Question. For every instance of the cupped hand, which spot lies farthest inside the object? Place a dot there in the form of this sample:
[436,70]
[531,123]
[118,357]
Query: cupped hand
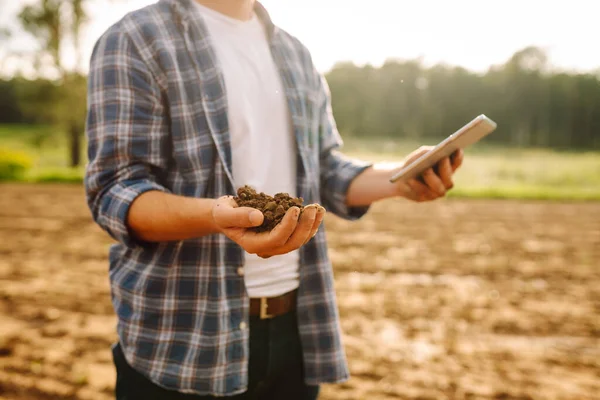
[291,233]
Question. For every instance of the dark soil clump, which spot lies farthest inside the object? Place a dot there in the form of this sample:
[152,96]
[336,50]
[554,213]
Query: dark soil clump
[273,208]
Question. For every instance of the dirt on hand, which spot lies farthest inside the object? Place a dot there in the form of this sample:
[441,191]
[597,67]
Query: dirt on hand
[272,207]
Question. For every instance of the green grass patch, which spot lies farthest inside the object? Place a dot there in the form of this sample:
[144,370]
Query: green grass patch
[13,164]
[507,173]
[47,146]
[524,193]
[488,171]
[47,150]
[57,175]
[29,137]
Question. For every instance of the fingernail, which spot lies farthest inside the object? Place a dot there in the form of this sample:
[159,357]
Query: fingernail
[254,217]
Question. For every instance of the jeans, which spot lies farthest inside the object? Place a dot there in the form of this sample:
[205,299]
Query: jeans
[275,368]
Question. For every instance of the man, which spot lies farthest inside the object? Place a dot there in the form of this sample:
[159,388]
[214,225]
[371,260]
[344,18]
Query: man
[189,100]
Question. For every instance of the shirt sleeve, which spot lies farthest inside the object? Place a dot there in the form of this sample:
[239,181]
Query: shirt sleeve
[126,131]
[336,170]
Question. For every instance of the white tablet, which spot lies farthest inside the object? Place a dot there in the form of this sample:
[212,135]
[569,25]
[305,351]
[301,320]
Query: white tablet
[464,137]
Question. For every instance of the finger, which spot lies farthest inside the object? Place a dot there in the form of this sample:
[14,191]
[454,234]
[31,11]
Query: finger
[282,232]
[457,159]
[302,232]
[295,240]
[445,172]
[421,192]
[268,242]
[434,182]
[318,219]
[416,154]
[227,214]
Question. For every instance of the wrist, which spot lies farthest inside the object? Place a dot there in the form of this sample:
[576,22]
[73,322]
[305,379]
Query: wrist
[389,189]
[211,221]
[203,217]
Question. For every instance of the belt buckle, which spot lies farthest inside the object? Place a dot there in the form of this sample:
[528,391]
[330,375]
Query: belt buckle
[263,309]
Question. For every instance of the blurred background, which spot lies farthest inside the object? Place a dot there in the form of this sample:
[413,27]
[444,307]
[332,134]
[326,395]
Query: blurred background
[490,294]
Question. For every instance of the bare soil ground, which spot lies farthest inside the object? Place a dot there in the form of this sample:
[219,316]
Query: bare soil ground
[449,300]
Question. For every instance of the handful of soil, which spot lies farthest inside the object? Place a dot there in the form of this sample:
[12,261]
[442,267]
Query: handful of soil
[273,208]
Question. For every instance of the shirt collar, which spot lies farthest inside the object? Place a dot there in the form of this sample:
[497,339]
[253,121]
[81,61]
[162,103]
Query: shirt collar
[183,10]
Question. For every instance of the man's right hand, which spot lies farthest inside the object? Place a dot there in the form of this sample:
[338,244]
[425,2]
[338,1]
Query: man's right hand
[290,234]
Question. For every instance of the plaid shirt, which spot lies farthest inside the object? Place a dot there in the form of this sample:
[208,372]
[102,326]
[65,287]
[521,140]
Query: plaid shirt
[157,120]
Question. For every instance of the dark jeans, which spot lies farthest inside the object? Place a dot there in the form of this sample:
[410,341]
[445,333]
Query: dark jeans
[275,369]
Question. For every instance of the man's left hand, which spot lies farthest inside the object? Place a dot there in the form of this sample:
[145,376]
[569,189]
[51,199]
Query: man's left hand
[434,182]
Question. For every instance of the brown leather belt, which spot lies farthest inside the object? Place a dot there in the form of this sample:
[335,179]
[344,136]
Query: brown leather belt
[269,307]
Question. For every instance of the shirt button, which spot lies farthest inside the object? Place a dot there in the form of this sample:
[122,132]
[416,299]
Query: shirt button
[242,325]
[240,271]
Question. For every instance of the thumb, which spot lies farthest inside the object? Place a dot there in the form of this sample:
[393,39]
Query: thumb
[227,214]
[415,155]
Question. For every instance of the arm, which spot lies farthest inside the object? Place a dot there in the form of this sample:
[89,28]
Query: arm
[374,185]
[350,186]
[161,217]
[127,142]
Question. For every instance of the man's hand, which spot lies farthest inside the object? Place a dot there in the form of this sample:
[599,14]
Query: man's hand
[291,233]
[434,182]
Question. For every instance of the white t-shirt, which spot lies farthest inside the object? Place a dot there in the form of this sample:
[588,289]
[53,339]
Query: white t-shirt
[262,140]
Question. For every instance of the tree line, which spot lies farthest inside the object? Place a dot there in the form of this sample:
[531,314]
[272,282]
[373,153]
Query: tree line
[533,105]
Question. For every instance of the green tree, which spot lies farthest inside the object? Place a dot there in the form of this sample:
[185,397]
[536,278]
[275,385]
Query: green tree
[533,105]
[51,23]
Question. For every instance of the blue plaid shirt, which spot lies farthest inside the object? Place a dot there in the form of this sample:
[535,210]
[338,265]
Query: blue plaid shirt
[157,120]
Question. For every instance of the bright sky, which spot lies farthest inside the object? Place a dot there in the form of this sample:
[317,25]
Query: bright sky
[471,33]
